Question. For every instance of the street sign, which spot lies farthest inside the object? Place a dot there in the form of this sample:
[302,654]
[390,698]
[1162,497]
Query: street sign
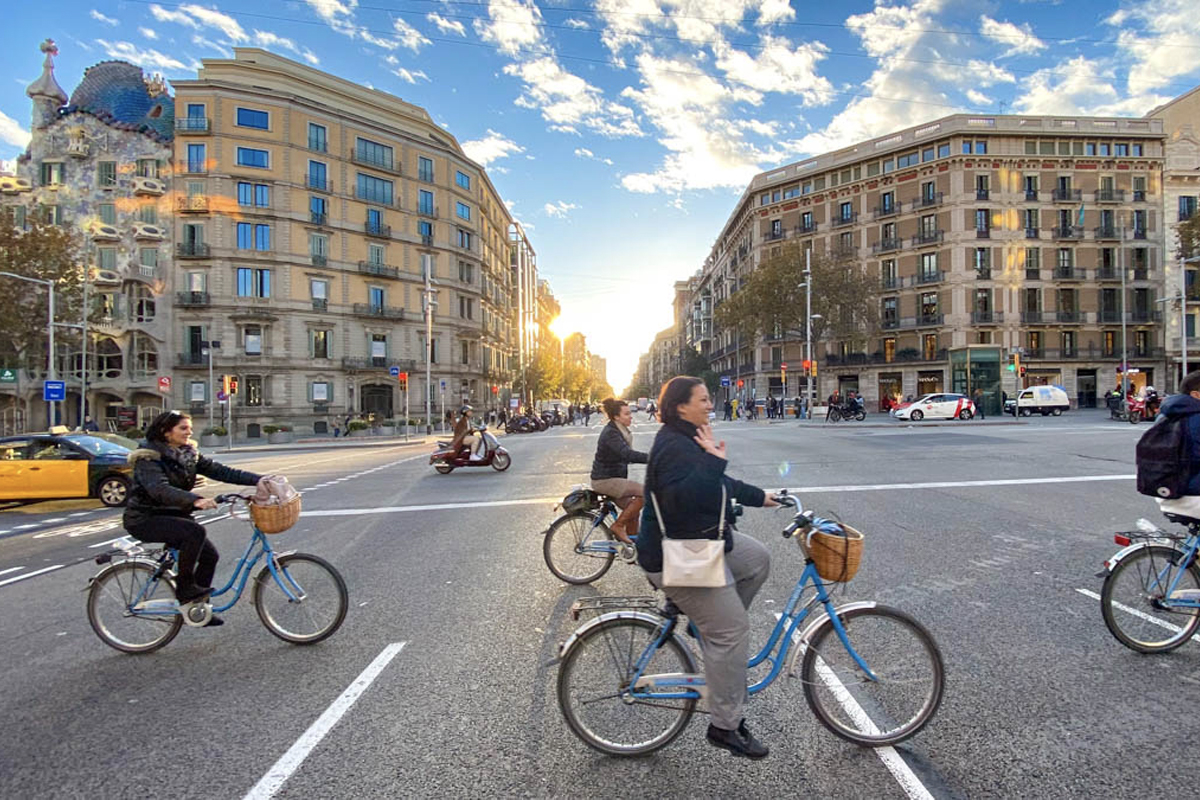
[514,402]
[394,372]
[221,396]
[54,390]
[443,386]
[8,375]
[725,380]
[164,383]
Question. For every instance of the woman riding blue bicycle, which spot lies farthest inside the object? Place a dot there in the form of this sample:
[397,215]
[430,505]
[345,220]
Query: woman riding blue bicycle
[161,502]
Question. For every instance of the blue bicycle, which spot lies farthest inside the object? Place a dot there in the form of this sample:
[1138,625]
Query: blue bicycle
[628,683]
[579,546]
[131,602]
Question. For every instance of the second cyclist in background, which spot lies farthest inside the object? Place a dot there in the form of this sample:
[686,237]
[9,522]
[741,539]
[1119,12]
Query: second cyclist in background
[610,467]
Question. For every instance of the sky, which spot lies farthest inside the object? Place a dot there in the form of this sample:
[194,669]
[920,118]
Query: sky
[622,132]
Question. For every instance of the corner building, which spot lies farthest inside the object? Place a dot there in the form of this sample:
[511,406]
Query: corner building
[309,213]
[1016,233]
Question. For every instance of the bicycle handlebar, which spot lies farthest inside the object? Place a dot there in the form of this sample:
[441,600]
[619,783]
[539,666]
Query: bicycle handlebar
[232,497]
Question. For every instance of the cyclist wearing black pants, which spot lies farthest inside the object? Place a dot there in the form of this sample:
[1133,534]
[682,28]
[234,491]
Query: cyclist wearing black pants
[161,501]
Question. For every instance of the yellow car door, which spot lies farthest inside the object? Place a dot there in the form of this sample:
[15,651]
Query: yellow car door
[56,469]
[14,469]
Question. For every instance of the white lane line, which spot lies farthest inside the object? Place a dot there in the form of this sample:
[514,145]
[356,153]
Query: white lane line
[895,764]
[31,574]
[10,569]
[270,783]
[55,519]
[79,514]
[24,527]
[1139,614]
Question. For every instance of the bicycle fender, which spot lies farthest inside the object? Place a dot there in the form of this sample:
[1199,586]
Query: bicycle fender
[1125,552]
[811,628]
[113,565]
[566,646]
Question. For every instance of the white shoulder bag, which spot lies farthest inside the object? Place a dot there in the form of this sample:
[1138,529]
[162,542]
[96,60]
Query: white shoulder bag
[694,563]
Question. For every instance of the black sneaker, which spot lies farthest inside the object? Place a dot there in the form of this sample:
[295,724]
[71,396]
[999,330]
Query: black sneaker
[739,742]
[215,622]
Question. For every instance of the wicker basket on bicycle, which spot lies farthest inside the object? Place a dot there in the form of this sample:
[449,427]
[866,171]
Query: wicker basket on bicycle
[275,517]
[836,557]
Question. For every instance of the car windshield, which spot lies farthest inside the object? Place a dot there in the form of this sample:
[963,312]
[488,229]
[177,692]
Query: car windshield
[97,446]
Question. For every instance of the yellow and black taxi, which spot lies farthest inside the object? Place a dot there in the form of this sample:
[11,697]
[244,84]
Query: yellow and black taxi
[42,466]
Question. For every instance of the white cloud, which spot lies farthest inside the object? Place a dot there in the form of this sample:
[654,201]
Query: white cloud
[411,77]
[1165,46]
[150,58]
[980,99]
[12,133]
[410,37]
[1020,40]
[268,39]
[370,38]
[1083,87]
[201,41]
[578,24]
[338,14]
[212,18]
[559,210]
[96,15]
[310,57]
[568,102]
[490,148]
[8,166]
[148,33]
[512,25]
[446,25]
[583,152]
[778,68]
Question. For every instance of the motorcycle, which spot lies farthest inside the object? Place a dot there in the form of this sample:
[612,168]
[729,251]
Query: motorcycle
[445,460]
[847,411]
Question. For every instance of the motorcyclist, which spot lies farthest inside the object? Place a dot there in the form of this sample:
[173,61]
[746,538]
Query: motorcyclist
[464,433]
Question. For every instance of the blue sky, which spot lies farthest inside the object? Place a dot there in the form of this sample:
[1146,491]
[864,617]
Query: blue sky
[622,132]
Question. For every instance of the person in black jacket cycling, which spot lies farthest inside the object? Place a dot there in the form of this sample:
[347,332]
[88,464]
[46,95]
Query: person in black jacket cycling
[161,501]
[610,467]
[686,472]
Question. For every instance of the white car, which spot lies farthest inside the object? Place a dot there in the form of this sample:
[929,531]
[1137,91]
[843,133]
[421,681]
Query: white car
[940,405]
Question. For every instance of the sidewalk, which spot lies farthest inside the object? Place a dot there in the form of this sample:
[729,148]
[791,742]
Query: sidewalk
[326,443]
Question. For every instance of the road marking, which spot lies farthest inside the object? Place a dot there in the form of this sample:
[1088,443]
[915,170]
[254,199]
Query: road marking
[10,569]
[54,519]
[1139,614]
[31,574]
[24,527]
[270,783]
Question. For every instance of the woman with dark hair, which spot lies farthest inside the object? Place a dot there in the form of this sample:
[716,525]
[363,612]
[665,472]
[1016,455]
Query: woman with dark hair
[610,467]
[686,475]
[161,501]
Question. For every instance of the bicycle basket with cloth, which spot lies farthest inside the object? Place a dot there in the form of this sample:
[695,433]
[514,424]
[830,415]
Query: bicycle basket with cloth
[835,548]
[580,499]
[275,507]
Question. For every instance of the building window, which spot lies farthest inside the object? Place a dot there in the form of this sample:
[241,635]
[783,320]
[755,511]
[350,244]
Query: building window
[254,194]
[253,282]
[425,169]
[107,212]
[464,211]
[321,391]
[1139,188]
[888,312]
[425,229]
[375,254]
[252,157]
[374,190]
[889,349]
[463,180]
[1066,258]
[148,256]
[106,174]
[377,297]
[318,245]
[253,118]
[254,390]
[52,173]
[374,153]
[466,272]
[929,304]
[53,215]
[18,217]
[983,259]
[147,168]
[846,212]
[463,238]
[318,175]
[983,221]
[106,257]
[318,209]
[425,202]
[1137,150]
[197,158]
[319,344]
[1110,343]
[907,160]
[148,213]
[887,202]
[319,289]
[1033,341]
[944,150]
[1187,207]
[466,352]
[252,340]
[466,307]
[930,346]
[253,237]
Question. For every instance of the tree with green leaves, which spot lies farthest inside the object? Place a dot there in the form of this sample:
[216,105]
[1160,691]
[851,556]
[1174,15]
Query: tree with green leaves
[543,374]
[1189,237]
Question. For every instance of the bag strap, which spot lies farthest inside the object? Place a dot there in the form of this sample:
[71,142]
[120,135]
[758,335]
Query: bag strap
[663,528]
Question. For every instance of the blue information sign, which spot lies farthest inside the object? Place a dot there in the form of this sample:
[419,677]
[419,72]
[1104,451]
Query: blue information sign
[443,386]
[54,390]
[724,380]
[394,372]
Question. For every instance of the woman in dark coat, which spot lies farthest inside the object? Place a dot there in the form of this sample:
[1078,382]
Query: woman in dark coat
[686,474]
[610,467]
[161,502]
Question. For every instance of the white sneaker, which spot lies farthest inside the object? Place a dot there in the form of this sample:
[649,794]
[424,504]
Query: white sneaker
[1192,595]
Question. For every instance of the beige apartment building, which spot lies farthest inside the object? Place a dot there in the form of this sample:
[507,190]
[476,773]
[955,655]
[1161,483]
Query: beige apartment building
[1041,236]
[310,212]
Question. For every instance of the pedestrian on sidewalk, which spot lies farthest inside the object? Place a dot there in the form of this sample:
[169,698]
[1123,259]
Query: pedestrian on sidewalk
[835,399]
[728,411]
[977,398]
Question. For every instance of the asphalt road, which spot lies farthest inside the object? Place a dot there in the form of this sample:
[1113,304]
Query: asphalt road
[970,528]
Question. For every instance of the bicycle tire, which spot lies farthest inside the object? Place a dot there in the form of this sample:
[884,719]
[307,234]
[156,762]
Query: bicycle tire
[592,665]
[559,549]
[318,629]
[1129,628]
[856,710]
[115,588]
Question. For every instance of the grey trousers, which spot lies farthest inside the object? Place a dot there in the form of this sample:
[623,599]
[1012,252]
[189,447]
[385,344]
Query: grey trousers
[721,615]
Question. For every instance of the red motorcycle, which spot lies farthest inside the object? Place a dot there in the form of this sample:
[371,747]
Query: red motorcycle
[445,460]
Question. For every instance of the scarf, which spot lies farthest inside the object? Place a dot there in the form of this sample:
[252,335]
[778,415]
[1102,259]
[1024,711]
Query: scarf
[625,434]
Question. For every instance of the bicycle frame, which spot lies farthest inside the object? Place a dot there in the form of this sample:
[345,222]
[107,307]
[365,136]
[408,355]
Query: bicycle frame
[1189,554]
[775,650]
[606,545]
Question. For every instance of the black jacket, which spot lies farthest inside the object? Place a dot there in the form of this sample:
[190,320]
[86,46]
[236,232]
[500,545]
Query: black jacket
[163,479]
[614,455]
[687,482]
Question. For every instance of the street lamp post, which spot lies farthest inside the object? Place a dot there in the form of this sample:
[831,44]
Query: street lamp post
[50,332]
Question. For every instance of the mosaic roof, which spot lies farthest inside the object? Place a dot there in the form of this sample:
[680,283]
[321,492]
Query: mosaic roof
[116,93]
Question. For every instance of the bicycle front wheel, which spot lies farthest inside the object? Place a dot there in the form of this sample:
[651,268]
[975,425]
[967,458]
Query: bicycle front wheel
[320,600]
[1131,600]
[114,601]
[593,689]
[566,548]
[903,694]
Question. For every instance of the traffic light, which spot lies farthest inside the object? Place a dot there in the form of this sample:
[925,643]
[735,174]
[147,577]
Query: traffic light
[403,378]
[783,373]
[233,381]
[807,366]
[1014,363]
[813,364]
[1022,372]
[741,383]
[225,384]
[495,389]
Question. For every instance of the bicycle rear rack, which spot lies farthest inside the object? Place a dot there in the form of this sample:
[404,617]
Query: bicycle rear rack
[599,605]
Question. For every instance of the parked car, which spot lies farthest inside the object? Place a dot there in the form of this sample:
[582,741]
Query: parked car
[44,466]
[940,405]
[1044,400]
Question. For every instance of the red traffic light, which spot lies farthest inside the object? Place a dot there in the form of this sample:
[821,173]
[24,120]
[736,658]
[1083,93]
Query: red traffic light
[403,376]
[495,389]
[807,364]
[741,383]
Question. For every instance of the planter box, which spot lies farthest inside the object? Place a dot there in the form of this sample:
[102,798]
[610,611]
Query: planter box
[210,440]
[360,434]
[387,430]
[279,437]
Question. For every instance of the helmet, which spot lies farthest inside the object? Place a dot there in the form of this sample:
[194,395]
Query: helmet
[465,408]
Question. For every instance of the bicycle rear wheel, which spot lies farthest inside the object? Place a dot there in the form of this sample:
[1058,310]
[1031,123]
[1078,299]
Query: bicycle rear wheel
[1131,601]
[593,680]
[321,601]
[111,601]
[908,669]
[564,548]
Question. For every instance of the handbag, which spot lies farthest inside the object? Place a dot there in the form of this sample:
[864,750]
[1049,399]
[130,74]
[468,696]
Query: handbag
[693,563]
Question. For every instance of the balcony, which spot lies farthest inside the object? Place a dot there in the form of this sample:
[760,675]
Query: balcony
[317,183]
[1139,196]
[1139,233]
[426,210]
[1033,233]
[983,233]
[319,260]
[1067,195]
[772,236]
[882,212]
[927,201]
[889,323]
[804,229]
[843,251]
[1031,195]
[924,320]
[902,356]
[982,194]
[986,318]
[1106,232]
[320,304]
[1107,315]
[427,239]
[1036,318]
[983,273]
[378,270]
[1145,315]
[191,360]
[191,299]
[843,221]
[1068,232]
[192,124]
[1141,274]
[926,278]
[927,237]
[379,362]
[192,204]
[1065,273]
[317,218]
[378,229]
[1108,273]
[371,310]
[1033,274]
[890,283]
[146,272]
[1070,317]
[191,250]
[385,164]
[886,245]
[1110,195]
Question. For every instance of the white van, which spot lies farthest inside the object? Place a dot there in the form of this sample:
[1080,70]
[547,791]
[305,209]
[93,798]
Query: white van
[1044,400]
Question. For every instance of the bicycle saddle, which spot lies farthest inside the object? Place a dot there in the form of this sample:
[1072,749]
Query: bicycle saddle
[1181,519]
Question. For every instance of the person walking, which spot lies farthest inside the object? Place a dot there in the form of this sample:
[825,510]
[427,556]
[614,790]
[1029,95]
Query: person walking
[835,399]
[728,411]
[686,478]
[977,399]
[587,415]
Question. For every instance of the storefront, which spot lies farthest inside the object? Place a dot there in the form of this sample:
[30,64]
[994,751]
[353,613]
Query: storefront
[974,368]
[847,383]
[930,381]
[891,389]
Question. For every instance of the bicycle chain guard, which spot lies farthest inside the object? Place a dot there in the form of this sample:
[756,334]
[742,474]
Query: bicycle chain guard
[196,614]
